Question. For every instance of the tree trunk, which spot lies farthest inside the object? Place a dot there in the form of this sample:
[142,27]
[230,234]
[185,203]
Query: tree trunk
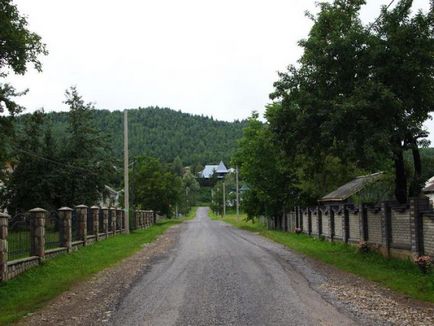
[415,186]
[400,177]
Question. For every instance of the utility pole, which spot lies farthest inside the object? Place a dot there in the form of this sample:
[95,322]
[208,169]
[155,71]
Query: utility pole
[224,198]
[238,196]
[126,181]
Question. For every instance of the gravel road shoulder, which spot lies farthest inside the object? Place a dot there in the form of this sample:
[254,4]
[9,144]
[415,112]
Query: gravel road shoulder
[91,302]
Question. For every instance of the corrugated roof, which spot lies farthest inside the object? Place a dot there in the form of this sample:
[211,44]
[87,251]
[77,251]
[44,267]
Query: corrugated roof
[208,171]
[351,188]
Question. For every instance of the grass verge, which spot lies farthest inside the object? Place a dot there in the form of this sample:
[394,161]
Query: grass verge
[399,275]
[191,214]
[34,288]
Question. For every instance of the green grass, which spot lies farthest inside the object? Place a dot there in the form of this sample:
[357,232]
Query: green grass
[34,288]
[191,214]
[401,276]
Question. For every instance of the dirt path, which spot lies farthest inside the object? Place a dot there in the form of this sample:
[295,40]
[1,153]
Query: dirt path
[92,302]
[208,273]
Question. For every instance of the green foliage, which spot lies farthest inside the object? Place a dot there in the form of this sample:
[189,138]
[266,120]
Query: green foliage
[360,93]
[164,133]
[156,187]
[36,287]
[68,171]
[265,169]
[87,149]
[18,47]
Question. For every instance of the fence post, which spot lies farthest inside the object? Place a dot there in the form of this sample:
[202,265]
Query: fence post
[113,212]
[82,222]
[387,226]
[95,218]
[346,224]
[105,212]
[65,214]
[364,222]
[37,232]
[309,221]
[4,218]
[119,219]
[332,223]
[417,205]
[319,221]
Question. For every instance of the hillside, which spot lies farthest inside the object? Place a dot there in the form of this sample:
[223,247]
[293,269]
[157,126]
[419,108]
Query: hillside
[165,133]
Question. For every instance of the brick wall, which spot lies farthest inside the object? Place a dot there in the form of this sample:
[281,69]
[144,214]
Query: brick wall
[428,234]
[400,223]
[306,221]
[315,223]
[375,227]
[338,225]
[354,226]
[394,230]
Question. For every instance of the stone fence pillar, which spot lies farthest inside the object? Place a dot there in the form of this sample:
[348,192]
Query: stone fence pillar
[4,220]
[105,213]
[65,214]
[82,222]
[95,219]
[37,232]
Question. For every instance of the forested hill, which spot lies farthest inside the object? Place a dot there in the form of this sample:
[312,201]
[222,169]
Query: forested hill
[165,134]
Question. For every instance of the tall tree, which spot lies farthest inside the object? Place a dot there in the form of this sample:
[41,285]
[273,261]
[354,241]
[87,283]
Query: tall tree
[360,93]
[265,169]
[156,187]
[18,48]
[33,181]
[87,154]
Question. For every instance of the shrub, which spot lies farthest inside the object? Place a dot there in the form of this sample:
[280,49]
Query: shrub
[363,247]
[424,263]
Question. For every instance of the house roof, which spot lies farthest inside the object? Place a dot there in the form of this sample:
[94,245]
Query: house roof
[351,188]
[221,168]
[429,188]
[208,171]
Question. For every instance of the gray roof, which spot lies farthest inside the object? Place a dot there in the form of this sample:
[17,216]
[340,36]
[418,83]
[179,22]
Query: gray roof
[208,171]
[351,188]
[221,168]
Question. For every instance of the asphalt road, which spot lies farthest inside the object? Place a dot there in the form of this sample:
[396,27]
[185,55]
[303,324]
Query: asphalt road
[219,275]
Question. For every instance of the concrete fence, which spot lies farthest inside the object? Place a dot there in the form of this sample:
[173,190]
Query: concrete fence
[29,239]
[393,229]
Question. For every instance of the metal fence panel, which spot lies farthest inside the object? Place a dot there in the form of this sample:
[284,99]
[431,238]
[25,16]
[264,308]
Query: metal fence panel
[19,237]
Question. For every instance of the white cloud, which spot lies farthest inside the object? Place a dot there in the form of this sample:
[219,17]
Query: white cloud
[216,58]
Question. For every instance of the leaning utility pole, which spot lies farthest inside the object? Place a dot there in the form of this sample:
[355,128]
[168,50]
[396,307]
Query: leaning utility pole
[238,196]
[126,183]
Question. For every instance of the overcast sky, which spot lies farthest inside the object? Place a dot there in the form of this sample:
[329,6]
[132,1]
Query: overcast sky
[216,58]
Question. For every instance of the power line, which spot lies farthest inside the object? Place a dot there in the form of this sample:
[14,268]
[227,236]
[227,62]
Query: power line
[378,18]
[55,162]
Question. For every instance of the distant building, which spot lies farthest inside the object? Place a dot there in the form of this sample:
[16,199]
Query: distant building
[208,172]
[212,171]
[429,190]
